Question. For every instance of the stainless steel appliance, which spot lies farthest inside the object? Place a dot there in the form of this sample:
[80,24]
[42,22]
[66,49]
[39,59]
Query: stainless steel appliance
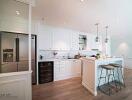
[14,53]
[34,56]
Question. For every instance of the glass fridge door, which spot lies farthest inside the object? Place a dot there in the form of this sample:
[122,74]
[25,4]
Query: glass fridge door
[23,53]
[8,53]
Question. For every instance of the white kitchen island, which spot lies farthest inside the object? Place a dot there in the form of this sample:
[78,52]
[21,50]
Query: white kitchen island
[91,71]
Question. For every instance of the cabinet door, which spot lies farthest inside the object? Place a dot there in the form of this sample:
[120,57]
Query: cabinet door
[68,68]
[62,69]
[72,68]
[44,37]
[77,65]
[74,41]
[56,70]
[61,40]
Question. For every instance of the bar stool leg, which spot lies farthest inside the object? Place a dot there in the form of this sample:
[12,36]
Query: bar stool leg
[118,77]
[100,78]
[105,76]
[109,82]
[115,81]
[122,77]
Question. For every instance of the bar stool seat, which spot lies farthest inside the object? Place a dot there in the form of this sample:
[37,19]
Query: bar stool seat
[115,65]
[108,67]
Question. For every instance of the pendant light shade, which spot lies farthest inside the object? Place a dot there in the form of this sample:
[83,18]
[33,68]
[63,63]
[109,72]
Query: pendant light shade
[106,39]
[97,37]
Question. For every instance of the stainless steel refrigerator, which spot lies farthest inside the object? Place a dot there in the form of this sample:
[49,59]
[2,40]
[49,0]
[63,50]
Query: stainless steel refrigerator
[14,53]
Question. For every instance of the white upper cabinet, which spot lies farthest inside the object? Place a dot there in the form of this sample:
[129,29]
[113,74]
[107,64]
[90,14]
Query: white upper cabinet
[61,40]
[52,38]
[45,37]
[74,43]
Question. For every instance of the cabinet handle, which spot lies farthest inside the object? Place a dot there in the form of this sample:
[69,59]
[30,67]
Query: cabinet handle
[17,49]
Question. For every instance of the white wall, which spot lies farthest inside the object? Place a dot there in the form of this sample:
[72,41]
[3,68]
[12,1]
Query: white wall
[122,46]
[9,20]
[122,33]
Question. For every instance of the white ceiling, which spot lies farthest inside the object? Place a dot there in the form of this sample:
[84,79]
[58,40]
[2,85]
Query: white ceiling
[83,15]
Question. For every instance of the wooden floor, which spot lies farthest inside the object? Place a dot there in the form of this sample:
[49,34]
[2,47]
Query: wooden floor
[72,89]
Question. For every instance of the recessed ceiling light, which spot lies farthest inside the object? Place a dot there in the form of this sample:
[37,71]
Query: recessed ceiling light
[81,0]
[17,12]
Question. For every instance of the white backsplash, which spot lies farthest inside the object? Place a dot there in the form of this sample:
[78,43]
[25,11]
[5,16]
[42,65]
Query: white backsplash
[49,54]
[46,54]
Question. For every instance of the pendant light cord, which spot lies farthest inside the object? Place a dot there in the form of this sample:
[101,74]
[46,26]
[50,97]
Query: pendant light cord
[106,40]
[106,31]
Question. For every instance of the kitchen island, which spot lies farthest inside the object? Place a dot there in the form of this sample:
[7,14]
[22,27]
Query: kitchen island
[91,71]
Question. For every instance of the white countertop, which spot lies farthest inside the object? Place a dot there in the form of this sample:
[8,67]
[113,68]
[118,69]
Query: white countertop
[102,59]
[56,59]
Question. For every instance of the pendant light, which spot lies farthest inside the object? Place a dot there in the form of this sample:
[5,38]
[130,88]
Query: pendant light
[97,37]
[106,39]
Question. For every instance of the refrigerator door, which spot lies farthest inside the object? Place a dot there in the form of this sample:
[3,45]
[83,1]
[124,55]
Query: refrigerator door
[8,53]
[0,53]
[22,53]
[33,54]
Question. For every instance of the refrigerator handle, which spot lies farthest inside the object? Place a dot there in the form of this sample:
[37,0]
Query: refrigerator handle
[17,49]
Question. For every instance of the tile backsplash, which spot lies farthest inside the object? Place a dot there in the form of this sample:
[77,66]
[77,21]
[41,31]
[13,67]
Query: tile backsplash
[51,54]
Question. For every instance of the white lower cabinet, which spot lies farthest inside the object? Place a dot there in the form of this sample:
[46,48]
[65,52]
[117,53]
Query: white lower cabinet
[67,69]
[77,66]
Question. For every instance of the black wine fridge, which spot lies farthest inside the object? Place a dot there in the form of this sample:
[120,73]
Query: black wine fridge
[46,72]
